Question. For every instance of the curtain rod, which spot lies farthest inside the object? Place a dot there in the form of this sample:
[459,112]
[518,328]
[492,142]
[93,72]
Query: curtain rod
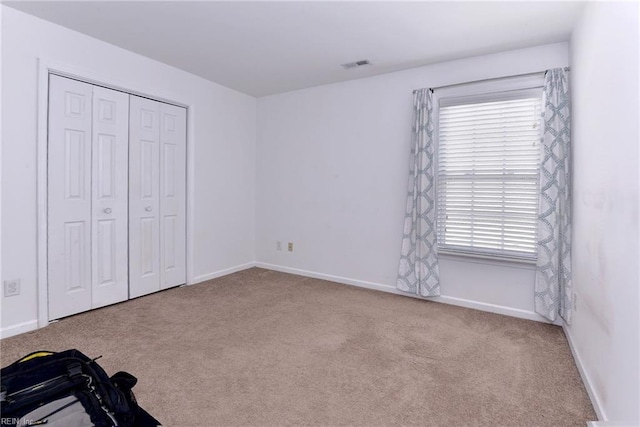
[490,79]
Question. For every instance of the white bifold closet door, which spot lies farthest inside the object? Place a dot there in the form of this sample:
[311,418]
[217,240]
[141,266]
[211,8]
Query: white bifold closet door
[157,196]
[87,196]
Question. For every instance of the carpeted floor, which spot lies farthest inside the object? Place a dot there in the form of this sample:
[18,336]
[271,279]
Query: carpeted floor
[261,348]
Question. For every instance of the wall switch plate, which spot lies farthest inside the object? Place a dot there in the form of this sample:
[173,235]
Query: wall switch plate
[278,245]
[575,301]
[290,247]
[11,287]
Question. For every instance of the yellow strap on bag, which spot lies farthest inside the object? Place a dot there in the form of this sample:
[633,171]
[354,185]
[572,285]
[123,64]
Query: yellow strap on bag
[34,355]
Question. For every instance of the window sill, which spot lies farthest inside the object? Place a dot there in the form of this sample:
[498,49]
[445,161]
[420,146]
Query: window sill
[487,259]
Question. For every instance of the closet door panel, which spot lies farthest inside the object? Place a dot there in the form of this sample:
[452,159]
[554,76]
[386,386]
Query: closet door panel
[144,196]
[69,197]
[110,186]
[173,135]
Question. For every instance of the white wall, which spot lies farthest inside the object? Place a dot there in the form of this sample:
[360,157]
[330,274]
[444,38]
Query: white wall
[1,67]
[605,330]
[224,136]
[332,165]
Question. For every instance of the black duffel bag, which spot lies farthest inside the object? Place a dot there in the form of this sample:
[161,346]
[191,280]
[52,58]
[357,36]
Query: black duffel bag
[67,389]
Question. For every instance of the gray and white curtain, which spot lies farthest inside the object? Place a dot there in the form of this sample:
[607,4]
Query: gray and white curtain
[418,271]
[553,294]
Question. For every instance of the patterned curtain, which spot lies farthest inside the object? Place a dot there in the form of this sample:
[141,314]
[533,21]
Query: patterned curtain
[553,293]
[418,271]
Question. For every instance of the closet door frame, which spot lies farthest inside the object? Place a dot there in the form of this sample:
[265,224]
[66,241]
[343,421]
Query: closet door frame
[46,68]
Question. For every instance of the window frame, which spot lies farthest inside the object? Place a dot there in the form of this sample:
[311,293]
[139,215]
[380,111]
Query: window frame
[473,93]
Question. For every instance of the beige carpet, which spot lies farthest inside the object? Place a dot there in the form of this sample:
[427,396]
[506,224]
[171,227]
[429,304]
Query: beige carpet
[261,348]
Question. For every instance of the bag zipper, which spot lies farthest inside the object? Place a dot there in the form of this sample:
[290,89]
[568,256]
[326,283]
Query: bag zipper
[36,387]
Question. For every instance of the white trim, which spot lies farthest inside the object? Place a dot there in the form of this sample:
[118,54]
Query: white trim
[586,379]
[42,167]
[220,273]
[499,95]
[46,67]
[486,259]
[19,328]
[461,302]
[484,87]
[1,275]
[191,193]
[609,424]
[75,74]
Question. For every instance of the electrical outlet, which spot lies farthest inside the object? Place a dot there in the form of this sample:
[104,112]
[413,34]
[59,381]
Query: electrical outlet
[278,245]
[11,287]
[290,247]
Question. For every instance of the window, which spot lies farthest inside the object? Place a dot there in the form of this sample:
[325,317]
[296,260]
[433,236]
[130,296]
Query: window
[487,178]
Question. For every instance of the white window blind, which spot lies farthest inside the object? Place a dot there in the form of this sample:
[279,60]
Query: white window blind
[487,189]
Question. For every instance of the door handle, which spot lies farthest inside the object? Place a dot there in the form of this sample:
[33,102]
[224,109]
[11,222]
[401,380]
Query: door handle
[148,209]
[107,210]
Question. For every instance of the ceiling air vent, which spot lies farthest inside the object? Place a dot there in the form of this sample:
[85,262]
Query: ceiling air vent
[356,64]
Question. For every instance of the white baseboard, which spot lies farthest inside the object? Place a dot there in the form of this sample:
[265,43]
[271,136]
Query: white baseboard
[220,273]
[19,328]
[610,424]
[491,308]
[477,305]
[586,380]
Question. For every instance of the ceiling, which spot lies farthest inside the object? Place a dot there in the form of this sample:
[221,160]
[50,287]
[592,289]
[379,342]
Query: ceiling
[264,47]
